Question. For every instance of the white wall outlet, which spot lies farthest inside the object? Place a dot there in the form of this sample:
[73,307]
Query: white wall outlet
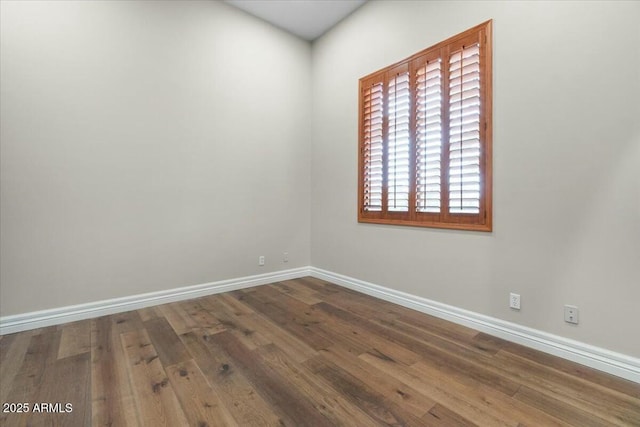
[514,301]
[261,260]
[285,257]
[571,314]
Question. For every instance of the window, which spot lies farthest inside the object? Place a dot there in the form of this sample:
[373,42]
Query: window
[425,137]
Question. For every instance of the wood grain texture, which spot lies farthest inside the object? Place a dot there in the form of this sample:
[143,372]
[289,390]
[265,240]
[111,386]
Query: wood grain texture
[200,402]
[155,397]
[304,352]
[113,402]
[75,339]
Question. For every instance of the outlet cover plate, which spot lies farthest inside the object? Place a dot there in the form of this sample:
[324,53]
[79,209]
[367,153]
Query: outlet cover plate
[571,314]
[514,301]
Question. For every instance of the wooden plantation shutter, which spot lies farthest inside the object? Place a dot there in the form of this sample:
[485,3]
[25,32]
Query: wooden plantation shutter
[373,147]
[398,147]
[464,130]
[429,136]
[425,137]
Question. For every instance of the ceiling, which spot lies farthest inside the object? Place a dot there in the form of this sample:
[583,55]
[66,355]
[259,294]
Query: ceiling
[308,19]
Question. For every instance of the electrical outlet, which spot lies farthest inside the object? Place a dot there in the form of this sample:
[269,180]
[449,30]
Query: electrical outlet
[514,301]
[261,260]
[571,314]
[285,257]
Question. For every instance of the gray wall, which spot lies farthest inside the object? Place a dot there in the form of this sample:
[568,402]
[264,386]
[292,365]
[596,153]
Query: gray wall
[146,146]
[566,165]
[151,145]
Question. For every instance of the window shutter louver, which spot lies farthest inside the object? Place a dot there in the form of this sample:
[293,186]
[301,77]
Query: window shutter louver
[373,147]
[428,136]
[398,151]
[464,130]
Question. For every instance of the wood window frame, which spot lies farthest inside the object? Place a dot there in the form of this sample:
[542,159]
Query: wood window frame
[483,219]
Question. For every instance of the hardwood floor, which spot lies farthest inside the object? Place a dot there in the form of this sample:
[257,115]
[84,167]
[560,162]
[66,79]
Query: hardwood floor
[297,353]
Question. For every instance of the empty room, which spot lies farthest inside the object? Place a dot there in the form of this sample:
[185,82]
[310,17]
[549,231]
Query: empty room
[319,213]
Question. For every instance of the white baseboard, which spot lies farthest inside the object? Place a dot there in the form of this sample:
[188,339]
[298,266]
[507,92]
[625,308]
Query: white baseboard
[56,316]
[598,358]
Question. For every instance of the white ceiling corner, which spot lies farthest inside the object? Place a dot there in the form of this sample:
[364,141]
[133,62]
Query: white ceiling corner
[308,19]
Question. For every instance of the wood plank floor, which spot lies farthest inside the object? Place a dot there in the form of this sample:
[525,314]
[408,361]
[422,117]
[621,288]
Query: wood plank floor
[297,353]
